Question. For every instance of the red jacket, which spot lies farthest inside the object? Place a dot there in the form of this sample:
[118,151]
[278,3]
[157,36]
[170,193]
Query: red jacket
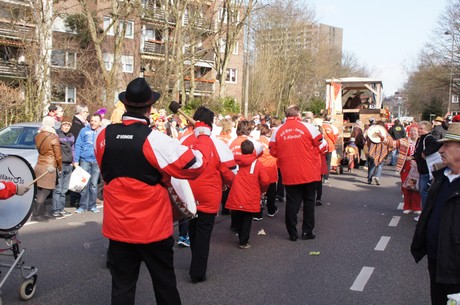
[252,180]
[136,212]
[235,145]
[7,189]
[268,160]
[207,188]
[298,147]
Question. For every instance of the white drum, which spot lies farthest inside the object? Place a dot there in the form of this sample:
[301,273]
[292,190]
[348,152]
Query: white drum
[15,211]
[182,199]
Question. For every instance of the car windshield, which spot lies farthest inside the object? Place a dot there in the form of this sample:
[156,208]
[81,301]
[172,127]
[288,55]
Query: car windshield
[22,137]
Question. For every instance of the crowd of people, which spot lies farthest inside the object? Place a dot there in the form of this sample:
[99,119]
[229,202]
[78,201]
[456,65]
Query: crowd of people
[235,166]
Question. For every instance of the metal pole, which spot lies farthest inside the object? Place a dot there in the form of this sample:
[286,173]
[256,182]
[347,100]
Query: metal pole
[451,69]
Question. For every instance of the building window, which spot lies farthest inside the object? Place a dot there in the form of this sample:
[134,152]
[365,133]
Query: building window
[63,59]
[153,35]
[108,60]
[107,23]
[63,94]
[127,63]
[223,43]
[129,33]
[231,76]
[234,16]
[235,48]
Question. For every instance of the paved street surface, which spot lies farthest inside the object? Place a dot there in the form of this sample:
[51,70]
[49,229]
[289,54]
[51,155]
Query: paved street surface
[363,240]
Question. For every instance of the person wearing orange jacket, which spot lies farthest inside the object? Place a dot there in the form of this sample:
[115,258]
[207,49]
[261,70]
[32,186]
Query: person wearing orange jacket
[207,189]
[244,199]
[269,162]
[298,146]
[331,134]
[136,163]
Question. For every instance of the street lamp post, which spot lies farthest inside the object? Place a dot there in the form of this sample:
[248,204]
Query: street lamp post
[451,69]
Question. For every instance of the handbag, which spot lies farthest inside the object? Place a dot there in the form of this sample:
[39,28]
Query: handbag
[78,179]
[432,160]
[412,179]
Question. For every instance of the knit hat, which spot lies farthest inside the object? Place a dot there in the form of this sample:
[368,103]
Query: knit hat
[48,121]
[66,120]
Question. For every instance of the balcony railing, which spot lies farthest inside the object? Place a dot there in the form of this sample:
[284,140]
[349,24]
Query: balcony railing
[15,31]
[154,13]
[12,70]
[202,54]
[19,2]
[201,87]
[154,47]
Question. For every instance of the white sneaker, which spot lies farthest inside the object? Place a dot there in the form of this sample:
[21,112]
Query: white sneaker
[407,212]
[417,212]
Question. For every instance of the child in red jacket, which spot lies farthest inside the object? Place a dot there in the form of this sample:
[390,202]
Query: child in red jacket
[249,183]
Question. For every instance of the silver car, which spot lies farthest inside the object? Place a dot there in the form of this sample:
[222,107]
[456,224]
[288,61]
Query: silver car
[19,139]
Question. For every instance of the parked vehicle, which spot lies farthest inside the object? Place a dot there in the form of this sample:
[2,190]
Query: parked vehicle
[19,139]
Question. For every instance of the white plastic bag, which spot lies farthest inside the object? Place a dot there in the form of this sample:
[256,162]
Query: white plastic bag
[78,180]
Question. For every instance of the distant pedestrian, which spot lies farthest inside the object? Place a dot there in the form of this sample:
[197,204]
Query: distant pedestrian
[49,154]
[67,142]
[84,156]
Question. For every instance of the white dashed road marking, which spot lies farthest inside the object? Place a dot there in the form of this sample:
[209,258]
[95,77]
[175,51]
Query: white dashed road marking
[401,205]
[362,279]
[394,221]
[382,244]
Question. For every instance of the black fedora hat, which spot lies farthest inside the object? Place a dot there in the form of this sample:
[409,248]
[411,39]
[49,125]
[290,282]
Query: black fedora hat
[138,94]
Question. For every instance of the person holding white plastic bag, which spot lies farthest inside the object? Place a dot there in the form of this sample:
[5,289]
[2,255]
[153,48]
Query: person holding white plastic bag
[84,156]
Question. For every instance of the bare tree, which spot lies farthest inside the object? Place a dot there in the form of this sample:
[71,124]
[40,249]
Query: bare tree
[231,18]
[284,58]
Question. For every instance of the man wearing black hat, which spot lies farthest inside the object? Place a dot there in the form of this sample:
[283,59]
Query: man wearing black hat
[135,163]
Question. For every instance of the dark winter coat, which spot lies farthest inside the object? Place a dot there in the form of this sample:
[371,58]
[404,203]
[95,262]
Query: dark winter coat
[448,258]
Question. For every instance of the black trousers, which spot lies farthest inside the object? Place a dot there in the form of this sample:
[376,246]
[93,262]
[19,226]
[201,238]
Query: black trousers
[328,163]
[319,190]
[280,186]
[244,220]
[271,198]
[124,261]
[200,231]
[439,291]
[295,195]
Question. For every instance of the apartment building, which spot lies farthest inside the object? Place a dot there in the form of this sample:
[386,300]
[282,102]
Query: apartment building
[15,33]
[146,50]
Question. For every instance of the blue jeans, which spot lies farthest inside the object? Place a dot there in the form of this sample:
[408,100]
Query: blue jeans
[424,184]
[394,157]
[62,187]
[89,193]
[373,170]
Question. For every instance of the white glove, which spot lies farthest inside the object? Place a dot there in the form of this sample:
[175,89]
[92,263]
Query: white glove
[21,189]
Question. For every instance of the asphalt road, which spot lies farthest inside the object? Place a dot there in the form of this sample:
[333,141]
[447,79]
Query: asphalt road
[363,241]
